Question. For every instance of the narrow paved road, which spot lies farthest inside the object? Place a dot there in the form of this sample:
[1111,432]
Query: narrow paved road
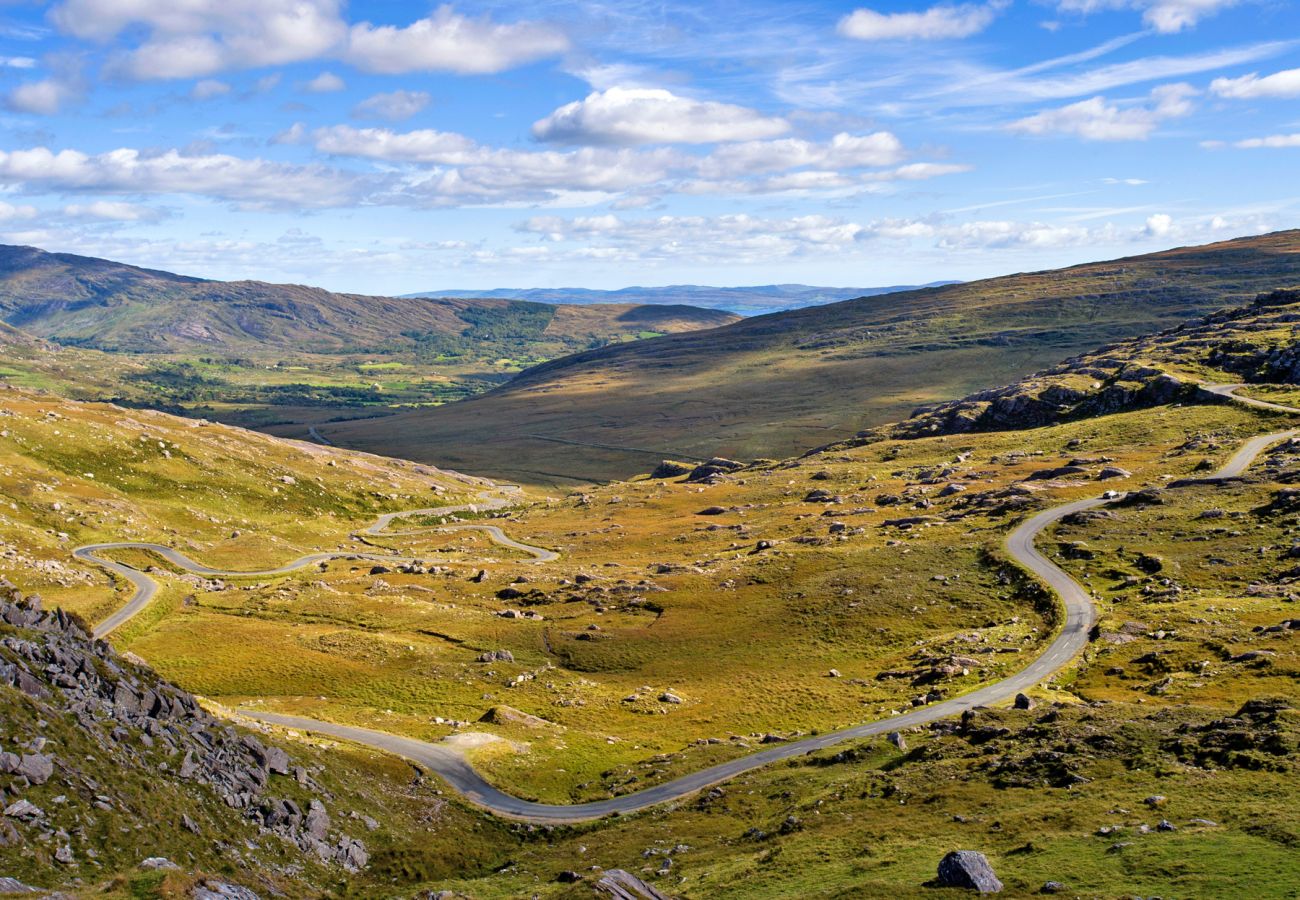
[146,588]
[1080,614]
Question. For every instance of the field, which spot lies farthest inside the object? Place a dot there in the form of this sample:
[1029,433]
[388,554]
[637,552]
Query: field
[746,641]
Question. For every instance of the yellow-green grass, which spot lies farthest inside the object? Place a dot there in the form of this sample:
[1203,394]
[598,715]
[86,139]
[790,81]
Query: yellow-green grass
[745,639]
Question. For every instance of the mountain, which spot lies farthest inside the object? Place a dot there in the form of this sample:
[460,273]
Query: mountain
[112,306]
[778,384]
[763,298]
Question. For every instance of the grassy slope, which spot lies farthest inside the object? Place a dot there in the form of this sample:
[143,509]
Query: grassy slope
[774,385]
[112,306]
[745,639]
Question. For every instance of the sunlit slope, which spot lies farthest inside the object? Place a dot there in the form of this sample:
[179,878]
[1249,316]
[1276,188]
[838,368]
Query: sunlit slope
[779,384]
[112,306]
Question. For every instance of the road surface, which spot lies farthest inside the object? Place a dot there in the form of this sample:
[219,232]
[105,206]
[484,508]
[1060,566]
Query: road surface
[146,588]
[448,763]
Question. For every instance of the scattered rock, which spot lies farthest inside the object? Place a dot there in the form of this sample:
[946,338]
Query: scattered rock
[968,869]
[159,863]
[622,885]
[508,715]
[1024,701]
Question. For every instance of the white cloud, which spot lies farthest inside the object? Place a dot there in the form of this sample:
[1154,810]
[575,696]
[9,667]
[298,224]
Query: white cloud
[630,116]
[421,146]
[9,212]
[1160,225]
[1096,119]
[449,42]
[1165,16]
[935,23]
[113,211]
[209,88]
[17,62]
[223,177]
[1250,87]
[195,38]
[1169,16]
[843,151]
[44,98]
[1275,141]
[324,83]
[393,106]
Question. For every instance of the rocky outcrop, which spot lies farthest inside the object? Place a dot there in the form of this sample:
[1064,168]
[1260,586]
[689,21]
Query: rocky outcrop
[134,715]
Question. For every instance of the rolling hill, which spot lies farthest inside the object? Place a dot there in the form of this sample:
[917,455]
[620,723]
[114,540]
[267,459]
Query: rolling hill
[778,384]
[752,300]
[112,306]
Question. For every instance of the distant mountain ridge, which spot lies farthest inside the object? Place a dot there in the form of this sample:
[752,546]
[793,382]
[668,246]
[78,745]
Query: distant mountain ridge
[106,305]
[752,300]
[777,385]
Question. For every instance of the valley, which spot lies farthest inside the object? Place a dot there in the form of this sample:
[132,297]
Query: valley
[928,629]
[781,384]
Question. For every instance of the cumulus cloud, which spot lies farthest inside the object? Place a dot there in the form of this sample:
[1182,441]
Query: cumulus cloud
[935,23]
[43,98]
[449,42]
[1165,16]
[324,83]
[223,177]
[1096,119]
[422,146]
[197,38]
[1251,87]
[630,116]
[393,106]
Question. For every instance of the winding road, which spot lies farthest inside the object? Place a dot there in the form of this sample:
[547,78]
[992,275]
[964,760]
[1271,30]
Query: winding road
[450,765]
[146,588]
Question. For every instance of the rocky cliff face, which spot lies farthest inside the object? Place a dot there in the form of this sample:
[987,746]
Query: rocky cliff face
[61,691]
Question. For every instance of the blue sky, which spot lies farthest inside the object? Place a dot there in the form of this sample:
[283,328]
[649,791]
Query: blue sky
[393,147]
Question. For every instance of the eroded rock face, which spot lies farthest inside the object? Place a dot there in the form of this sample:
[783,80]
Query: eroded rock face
[126,707]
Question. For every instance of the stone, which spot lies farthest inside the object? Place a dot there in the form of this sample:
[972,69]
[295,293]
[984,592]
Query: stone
[1110,472]
[668,697]
[36,767]
[157,863]
[277,761]
[496,656]
[508,715]
[712,511]
[1051,887]
[23,809]
[14,886]
[211,889]
[968,869]
[896,738]
[1155,801]
[64,856]
[1024,701]
[623,885]
[317,823]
